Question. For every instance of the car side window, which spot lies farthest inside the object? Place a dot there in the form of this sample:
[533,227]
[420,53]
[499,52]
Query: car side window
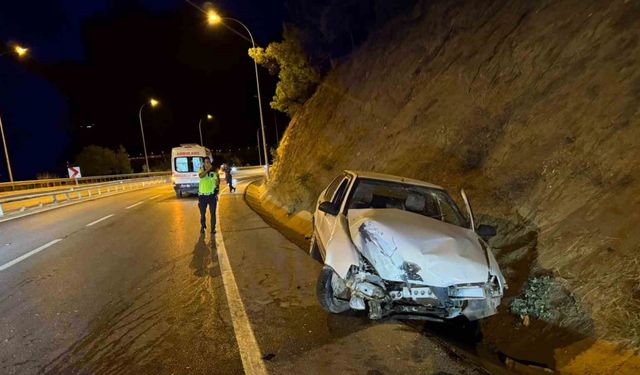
[341,192]
[328,194]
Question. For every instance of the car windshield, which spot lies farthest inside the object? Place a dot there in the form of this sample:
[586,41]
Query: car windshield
[434,203]
[188,164]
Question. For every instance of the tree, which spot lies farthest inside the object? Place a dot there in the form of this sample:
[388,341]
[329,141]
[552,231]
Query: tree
[297,79]
[123,164]
[95,160]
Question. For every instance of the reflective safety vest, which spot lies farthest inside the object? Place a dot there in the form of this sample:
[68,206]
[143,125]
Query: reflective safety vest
[209,183]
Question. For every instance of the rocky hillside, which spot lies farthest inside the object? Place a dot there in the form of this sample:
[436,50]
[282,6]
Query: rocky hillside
[534,108]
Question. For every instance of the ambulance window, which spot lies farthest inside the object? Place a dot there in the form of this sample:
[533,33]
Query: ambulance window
[197,163]
[182,164]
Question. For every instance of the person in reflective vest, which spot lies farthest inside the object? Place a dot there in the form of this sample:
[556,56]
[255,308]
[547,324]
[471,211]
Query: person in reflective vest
[208,194]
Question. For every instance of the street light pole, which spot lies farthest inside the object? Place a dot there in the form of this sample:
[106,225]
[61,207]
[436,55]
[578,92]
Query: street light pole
[215,18]
[6,152]
[209,117]
[152,102]
[20,51]
[259,155]
[144,143]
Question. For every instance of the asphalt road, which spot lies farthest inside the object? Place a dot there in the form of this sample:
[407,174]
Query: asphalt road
[138,292]
[128,285]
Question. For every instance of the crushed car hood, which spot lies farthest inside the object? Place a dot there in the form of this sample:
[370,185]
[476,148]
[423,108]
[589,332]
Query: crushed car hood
[404,246]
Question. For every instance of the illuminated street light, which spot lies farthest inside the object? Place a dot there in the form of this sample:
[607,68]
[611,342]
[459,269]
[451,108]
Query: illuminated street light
[20,51]
[209,118]
[213,18]
[153,103]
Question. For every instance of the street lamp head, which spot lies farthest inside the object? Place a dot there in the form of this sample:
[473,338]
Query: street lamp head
[153,102]
[213,18]
[209,117]
[20,51]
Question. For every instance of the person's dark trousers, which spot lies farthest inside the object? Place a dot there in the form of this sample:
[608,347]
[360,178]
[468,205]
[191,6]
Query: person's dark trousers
[212,202]
[230,183]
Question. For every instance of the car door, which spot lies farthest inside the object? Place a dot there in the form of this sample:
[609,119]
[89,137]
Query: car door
[325,222]
[324,196]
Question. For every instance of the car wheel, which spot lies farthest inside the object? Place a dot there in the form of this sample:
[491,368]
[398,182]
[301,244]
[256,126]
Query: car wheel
[314,250]
[324,292]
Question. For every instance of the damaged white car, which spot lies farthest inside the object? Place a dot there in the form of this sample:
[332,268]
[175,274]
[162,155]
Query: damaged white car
[396,246]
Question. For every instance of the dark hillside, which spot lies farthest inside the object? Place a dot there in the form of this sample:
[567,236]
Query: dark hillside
[534,108]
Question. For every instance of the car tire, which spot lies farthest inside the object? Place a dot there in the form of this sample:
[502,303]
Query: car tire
[324,292]
[314,249]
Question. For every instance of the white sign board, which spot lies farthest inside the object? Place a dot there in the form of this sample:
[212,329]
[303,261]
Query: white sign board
[74,172]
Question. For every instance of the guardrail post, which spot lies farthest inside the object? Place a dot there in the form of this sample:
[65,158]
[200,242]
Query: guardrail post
[89,191]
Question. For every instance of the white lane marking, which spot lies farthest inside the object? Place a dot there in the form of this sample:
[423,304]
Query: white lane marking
[135,204]
[30,253]
[247,344]
[155,196]
[99,220]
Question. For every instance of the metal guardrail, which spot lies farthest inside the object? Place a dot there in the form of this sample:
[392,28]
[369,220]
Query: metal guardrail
[36,184]
[56,196]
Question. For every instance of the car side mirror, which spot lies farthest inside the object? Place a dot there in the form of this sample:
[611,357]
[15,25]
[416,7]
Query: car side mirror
[329,207]
[486,231]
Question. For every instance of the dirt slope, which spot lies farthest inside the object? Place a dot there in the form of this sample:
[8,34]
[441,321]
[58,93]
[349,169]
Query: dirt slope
[534,108]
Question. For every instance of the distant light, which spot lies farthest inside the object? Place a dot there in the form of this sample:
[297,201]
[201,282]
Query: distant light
[213,18]
[20,51]
[209,117]
[153,102]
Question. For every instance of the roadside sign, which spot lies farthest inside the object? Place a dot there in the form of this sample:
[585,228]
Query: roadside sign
[74,172]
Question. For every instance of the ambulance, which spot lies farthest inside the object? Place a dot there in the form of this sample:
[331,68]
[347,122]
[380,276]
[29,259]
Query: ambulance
[186,160]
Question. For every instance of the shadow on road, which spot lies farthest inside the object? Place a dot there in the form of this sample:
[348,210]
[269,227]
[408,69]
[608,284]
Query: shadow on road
[204,261]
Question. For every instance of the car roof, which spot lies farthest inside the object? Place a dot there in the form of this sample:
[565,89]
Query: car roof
[389,177]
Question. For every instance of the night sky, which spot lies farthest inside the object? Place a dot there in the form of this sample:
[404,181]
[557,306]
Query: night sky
[93,63]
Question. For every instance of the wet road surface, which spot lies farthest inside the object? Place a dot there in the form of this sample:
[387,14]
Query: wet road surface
[141,292]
